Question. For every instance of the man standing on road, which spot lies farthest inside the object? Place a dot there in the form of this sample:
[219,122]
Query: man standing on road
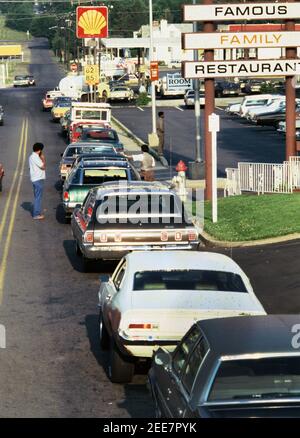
[161,132]
[37,166]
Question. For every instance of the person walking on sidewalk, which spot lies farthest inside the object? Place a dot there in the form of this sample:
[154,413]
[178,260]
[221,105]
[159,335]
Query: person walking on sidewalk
[37,166]
[147,163]
[161,132]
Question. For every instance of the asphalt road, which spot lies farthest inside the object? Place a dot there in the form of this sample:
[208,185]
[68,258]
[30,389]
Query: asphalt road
[237,140]
[53,366]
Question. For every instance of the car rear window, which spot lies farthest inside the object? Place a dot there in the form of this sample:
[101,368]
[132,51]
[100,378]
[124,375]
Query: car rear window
[257,379]
[194,279]
[100,176]
[100,135]
[141,207]
[75,151]
[91,115]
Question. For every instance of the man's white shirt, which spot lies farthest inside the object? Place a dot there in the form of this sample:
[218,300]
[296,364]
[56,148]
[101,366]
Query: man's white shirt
[35,165]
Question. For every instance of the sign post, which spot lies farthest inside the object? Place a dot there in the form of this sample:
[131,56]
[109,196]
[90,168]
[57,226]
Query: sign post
[214,127]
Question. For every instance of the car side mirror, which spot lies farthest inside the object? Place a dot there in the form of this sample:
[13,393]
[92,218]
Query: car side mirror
[163,358]
[104,278]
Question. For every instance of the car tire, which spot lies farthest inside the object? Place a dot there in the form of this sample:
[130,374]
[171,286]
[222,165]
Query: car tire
[120,370]
[103,334]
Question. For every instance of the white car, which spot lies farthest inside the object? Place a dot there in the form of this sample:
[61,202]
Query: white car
[21,81]
[189,99]
[282,127]
[121,93]
[276,104]
[153,298]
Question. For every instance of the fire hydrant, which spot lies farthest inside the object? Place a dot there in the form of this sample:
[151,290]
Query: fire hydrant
[179,181]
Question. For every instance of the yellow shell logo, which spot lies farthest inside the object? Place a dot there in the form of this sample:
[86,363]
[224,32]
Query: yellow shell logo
[92,22]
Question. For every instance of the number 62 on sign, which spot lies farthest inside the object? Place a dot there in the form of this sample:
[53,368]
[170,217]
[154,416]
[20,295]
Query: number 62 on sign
[91,74]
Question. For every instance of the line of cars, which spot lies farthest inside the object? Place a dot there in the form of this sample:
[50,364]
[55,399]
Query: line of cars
[214,350]
[265,110]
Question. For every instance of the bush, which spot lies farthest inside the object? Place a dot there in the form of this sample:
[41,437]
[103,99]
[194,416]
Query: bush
[268,89]
[143,99]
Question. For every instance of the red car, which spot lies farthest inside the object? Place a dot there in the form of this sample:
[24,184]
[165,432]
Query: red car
[75,129]
[1,176]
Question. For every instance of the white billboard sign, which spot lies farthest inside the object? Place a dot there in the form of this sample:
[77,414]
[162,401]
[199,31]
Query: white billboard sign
[176,82]
[231,40]
[253,68]
[242,12]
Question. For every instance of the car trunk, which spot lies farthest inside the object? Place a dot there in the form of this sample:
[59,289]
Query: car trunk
[173,312]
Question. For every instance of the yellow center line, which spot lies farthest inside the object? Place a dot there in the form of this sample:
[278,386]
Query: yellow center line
[13,214]
[12,187]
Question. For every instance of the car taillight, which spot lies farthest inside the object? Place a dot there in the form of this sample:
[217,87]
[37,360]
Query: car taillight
[178,236]
[192,235]
[164,236]
[66,196]
[88,237]
[90,212]
[141,326]
[103,238]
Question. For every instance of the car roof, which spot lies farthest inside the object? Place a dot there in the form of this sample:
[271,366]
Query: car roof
[183,260]
[89,144]
[246,335]
[110,188]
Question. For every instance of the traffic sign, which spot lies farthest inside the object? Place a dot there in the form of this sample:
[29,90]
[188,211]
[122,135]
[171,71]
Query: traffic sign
[230,40]
[92,22]
[246,11]
[154,73]
[91,74]
[252,68]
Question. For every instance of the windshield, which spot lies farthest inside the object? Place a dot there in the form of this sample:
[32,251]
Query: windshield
[257,379]
[201,280]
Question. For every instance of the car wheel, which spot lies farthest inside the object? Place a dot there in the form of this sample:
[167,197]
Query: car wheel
[103,334]
[120,370]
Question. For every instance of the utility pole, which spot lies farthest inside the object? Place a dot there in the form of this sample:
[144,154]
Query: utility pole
[153,140]
[196,167]
[209,109]
[290,91]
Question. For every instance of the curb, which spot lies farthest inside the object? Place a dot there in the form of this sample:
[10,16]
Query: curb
[139,141]
[212,242]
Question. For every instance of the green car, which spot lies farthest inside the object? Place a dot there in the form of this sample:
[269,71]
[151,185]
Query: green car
[92,172]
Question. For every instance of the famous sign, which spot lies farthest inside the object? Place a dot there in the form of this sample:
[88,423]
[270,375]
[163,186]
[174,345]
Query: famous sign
[92,22]
[230,40]
[222,69]
[247,11]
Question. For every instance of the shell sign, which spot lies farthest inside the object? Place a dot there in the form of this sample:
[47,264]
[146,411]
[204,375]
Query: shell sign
[92,22]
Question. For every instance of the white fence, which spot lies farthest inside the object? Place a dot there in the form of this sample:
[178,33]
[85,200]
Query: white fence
[263,177]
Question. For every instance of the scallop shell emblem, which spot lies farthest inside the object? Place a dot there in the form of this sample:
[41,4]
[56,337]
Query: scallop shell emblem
[92,22]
